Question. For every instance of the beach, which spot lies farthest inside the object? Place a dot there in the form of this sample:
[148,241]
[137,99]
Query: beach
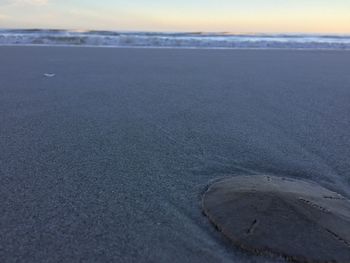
[107,159]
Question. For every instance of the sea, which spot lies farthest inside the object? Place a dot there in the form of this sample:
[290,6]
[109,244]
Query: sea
[53,37]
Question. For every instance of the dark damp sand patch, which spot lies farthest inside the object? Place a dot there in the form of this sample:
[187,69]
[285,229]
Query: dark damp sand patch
[296,219]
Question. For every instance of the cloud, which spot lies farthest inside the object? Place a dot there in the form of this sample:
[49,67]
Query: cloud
[33,2]
[2,16]
[23,2]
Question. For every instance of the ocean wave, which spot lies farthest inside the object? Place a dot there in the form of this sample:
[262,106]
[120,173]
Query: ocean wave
[186,40]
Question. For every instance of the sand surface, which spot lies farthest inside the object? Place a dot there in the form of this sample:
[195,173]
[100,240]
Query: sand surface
[107,160]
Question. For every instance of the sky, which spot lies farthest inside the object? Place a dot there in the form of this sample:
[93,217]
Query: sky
[235,16]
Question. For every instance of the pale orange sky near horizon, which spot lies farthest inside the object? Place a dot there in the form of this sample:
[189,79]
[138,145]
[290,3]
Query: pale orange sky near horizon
[249,16]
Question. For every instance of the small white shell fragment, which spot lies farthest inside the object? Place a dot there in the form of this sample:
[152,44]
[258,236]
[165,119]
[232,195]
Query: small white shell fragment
[49,75]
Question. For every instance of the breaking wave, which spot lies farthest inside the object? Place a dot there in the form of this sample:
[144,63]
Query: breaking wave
[175,40]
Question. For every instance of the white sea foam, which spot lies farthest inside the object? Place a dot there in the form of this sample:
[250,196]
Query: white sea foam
[188,40]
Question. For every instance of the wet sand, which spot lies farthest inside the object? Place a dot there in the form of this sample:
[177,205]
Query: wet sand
[108,159]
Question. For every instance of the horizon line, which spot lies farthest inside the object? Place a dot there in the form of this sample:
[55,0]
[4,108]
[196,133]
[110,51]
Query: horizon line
[77,30]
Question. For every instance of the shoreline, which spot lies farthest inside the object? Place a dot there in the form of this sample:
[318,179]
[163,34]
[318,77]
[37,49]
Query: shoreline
[175,48]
